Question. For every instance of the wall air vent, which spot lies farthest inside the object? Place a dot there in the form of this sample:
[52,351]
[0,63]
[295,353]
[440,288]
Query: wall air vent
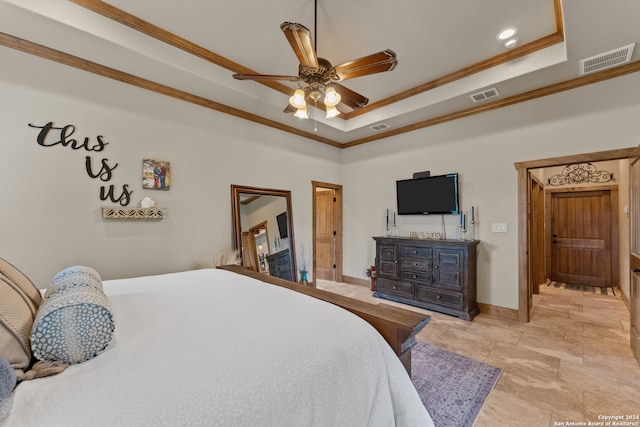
[606,60]
[484,95]
[379,127]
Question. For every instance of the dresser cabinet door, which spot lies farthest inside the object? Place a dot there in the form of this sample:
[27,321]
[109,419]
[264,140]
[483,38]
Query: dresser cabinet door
[388,260]
[450,269]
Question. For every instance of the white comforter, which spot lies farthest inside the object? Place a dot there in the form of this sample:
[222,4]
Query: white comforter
[213,348]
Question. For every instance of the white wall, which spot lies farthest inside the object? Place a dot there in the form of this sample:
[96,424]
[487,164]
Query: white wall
[483,149]
[50,208]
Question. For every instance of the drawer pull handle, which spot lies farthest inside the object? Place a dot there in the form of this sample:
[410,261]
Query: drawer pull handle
[415,252]
[438,297]
[415,276]
[395,287]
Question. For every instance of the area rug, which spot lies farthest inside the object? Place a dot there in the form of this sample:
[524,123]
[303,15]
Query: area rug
[582,288]
[452,387]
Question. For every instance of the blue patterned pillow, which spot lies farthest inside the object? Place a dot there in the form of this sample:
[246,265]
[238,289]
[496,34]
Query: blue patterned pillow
[74,322]
[76,276]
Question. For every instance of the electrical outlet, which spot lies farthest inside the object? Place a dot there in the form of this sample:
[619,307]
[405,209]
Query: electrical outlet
[499,227]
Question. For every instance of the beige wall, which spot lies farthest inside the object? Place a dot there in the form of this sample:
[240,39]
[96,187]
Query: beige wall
[50,214]
[483,150]
[50,208]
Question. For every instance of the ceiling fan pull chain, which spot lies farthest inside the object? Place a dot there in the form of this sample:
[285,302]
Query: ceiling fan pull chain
[315,115]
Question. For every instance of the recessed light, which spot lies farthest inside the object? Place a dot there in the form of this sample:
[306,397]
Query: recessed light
[511,43]
[507,33]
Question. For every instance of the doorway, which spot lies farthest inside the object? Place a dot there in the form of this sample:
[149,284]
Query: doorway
[327,231]
[525,237]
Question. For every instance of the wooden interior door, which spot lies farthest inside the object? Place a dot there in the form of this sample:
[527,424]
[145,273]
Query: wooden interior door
[581,250]
[537,270]
[634,252]
[325,246]
[327,231]
[249,253]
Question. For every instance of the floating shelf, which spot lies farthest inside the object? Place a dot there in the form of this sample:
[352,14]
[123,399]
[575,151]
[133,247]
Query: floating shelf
[134,213]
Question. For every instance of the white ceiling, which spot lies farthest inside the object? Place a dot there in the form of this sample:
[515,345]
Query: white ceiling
[432,39]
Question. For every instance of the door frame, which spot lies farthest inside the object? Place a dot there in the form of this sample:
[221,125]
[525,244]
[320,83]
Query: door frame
[524,238]
[315,185]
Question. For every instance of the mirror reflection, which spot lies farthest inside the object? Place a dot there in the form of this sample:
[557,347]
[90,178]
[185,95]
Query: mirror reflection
[263,230]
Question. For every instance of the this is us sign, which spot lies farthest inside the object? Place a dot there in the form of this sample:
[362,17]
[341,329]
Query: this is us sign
[52,136]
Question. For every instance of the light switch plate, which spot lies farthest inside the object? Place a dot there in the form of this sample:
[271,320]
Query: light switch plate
[499,227]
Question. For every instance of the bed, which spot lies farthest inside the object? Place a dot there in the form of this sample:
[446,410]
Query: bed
[213,347]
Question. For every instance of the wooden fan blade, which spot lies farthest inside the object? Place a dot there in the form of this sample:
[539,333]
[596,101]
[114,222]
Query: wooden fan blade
[350,98]
[375,63]
[299,38]
[265,77]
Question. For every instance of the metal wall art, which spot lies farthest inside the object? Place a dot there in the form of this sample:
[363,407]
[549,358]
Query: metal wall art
[580,173]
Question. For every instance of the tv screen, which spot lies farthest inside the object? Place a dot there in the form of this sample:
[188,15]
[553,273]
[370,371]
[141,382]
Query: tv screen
[282,225]
[430,195]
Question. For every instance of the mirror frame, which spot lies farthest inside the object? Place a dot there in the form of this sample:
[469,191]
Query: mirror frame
[236,190]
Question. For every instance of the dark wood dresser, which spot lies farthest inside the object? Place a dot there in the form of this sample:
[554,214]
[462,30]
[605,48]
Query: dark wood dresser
[280,265]
[438,275]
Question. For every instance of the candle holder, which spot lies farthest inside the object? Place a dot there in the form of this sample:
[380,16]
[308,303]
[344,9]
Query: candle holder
[473,229]
[387,231]
[461,232]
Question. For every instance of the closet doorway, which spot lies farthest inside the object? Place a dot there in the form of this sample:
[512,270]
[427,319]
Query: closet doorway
[327,231]
[528,241]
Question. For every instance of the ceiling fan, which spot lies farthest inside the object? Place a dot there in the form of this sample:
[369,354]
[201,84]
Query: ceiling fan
[318,79]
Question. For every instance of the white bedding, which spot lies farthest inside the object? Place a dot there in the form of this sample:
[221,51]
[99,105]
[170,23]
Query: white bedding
[214,348]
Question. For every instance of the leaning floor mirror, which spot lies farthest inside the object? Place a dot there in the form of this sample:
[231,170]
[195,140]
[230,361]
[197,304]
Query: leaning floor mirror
[263,230]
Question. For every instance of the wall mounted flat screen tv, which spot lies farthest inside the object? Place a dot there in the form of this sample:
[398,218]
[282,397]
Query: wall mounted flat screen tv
[282,225]
[430,195]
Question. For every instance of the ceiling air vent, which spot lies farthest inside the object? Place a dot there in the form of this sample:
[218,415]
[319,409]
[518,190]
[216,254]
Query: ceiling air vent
[484,95]
[606,60]
[379,127]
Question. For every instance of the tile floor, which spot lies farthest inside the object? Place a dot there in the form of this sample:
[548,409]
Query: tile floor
[571,363]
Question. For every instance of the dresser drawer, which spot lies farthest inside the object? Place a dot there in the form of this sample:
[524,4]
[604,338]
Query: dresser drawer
[417,277]
[396,288]
[416,264]
[416,252]
[436,296]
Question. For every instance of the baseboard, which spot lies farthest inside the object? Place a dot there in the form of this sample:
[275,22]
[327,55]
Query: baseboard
[502,312]
[356,281]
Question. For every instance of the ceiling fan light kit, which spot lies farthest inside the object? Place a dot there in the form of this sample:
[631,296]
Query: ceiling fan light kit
[318,79]
[297,100]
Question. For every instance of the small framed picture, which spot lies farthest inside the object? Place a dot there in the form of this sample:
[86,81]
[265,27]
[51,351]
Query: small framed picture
[156,174]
